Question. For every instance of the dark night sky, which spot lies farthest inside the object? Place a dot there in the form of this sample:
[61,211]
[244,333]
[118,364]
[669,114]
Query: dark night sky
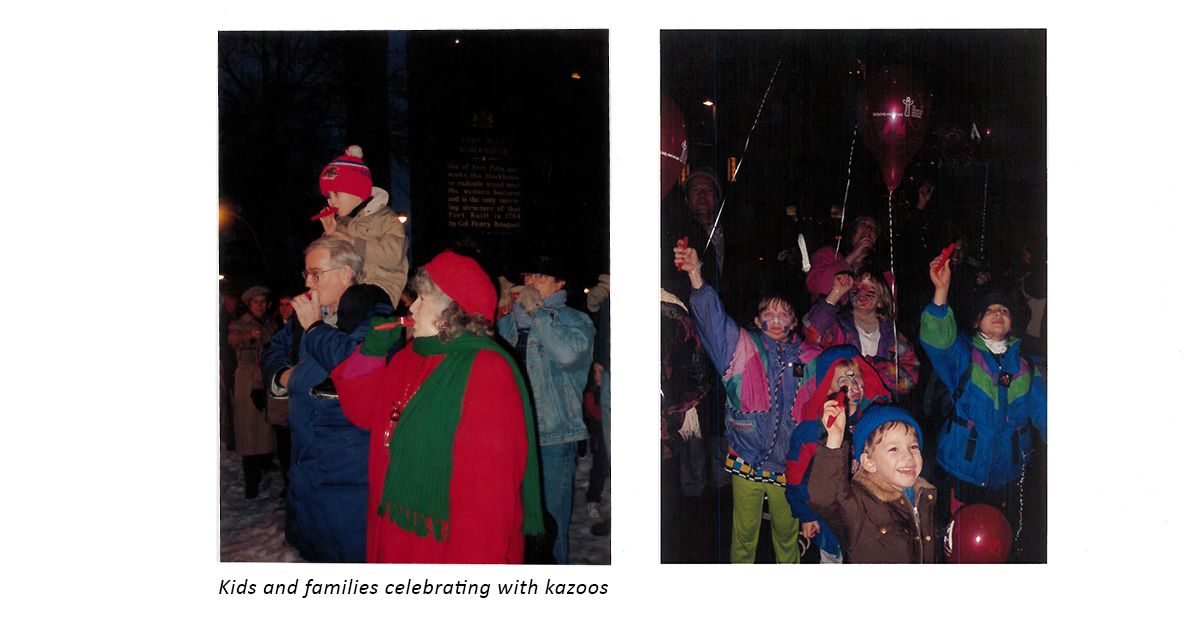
[799,152]
[291,101]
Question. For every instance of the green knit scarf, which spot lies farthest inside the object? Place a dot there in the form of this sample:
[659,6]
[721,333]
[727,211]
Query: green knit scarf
[416,489]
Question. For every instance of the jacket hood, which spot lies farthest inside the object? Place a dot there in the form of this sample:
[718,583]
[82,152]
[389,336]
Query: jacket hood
[873,387]
[379,200]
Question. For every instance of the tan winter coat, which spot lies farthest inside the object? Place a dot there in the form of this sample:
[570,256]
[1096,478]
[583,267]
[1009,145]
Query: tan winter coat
[380,239]
[873,520]
[251,432]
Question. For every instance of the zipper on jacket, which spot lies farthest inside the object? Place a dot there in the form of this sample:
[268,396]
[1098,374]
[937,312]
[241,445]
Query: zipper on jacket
[917,526]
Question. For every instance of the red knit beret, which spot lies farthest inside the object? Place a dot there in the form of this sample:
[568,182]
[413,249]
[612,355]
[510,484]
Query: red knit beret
[347,174]
[461,278]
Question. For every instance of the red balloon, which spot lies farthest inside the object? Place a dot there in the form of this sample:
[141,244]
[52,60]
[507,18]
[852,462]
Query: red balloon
[893,114]
[981,535]
[672,143]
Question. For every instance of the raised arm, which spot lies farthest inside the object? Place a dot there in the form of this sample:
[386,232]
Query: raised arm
[819,325]
[949,357]
[829,482]
[718,331]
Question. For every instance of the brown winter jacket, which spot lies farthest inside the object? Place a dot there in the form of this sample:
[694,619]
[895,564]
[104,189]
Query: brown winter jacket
[873,521]
[379,237]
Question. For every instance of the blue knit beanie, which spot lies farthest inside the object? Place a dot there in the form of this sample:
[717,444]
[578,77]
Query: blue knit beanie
[877,415]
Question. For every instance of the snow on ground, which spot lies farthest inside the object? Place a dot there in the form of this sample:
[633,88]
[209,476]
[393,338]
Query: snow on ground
[252,530]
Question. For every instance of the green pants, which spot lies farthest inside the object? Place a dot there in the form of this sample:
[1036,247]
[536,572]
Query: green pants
[747,518]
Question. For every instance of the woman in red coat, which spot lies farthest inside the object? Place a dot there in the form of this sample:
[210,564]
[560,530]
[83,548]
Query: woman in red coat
[453,472]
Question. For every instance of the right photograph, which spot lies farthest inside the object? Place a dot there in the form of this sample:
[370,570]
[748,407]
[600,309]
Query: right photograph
[854,296]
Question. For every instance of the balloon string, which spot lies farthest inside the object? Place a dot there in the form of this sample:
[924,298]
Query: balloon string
[1021,502]
[837,249]
[745,149]
[895,299]
[983,225]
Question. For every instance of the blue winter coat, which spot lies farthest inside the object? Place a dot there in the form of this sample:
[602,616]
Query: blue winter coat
[988,441]
[558,362]
[327,482]
[758,425]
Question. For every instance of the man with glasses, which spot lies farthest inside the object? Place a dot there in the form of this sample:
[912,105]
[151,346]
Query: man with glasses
[761,370]
[327,482]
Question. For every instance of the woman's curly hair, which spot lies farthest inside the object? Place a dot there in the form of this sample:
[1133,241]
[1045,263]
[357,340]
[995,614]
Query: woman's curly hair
[453,321]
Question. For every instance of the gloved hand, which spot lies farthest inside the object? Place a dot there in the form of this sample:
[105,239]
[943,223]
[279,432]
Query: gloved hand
[378,341]
[597,294]
[691,425]
[530,299]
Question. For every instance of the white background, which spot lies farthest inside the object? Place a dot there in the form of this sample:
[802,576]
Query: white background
[109,172]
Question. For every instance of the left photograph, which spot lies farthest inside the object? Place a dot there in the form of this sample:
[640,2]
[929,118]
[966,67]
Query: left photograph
[414,296]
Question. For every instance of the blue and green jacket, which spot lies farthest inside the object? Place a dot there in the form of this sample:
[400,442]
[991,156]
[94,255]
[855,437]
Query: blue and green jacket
[988,441]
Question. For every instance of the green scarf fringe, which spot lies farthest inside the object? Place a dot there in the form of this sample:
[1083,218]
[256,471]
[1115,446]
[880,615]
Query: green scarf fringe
[416,488]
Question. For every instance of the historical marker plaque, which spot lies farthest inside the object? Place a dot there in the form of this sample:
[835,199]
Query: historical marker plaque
[483,185]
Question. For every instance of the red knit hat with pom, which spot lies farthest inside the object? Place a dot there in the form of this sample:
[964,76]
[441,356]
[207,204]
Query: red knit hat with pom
[463,280]
[347,174]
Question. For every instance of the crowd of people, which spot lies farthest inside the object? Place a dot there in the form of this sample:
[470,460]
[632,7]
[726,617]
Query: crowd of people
[416,416]
[823,414]
[422,415]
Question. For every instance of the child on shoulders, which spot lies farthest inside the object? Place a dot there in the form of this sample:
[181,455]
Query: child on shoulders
[362,217]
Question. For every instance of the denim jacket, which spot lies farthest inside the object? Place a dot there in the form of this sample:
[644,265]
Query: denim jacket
[558,361]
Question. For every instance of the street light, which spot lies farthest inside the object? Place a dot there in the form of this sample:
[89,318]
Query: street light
[224,212]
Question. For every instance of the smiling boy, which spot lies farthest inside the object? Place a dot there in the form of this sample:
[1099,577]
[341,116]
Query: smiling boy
[885,512]
[841,374]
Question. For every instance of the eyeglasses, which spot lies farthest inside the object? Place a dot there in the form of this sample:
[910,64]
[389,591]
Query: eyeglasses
[535,276]
[305,274]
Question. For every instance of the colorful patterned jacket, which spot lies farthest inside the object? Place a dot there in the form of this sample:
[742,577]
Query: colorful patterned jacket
[988,442]
[807,411]
[828,325]
[761,377]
